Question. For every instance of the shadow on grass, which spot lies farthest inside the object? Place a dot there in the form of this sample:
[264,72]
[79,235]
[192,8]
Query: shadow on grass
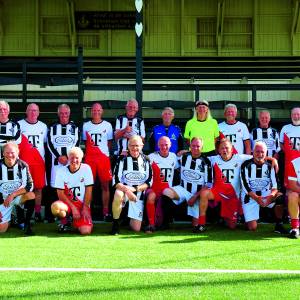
[214,233]
[196,280]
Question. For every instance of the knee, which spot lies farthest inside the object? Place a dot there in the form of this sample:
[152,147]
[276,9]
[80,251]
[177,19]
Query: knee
[3,227]
[168,192]
[57,210]
[252,225]
[85,230]
[151,198]
[135,225]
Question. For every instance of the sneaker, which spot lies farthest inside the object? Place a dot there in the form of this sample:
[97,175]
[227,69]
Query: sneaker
[149,229]
[28,231]
[37,217]
[115,230]
[63,228]
[199,229]
[294,234]
[280,229]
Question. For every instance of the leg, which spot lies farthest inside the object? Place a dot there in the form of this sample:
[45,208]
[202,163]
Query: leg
[135,225]
[105,198]
[29,201]
[116,210]
[293,206]
[85,229]
[38,202]
[167,204]
[252,225]
[3,227]
[59,209]
[150,207]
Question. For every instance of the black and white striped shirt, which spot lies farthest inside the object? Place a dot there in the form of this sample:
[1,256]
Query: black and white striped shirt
[9,131]
[260,179]
[133,172]
[13,178]
[195,172]
[61,138]
[138,128]
[268,135]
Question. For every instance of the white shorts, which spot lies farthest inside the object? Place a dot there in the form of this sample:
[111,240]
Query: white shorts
[251,210]
[6,211]
[135,209]
[54,170]
[184,195]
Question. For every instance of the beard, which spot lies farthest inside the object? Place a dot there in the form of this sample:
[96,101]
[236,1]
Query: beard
[296,122]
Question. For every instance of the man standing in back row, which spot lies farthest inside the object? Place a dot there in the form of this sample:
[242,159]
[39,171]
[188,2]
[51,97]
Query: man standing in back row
[32,151]
[128,125]
[98,134]
[62,136]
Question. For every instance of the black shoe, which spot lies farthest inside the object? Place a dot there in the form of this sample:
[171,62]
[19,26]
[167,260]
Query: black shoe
[63,228]
[107,218]
[115,230]
[294,234]
[199,229]
[280,229]
[149,229]
[37,217]
[28,231]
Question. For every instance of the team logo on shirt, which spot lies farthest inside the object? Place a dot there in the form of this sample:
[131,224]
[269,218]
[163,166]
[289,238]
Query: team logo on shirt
[258,184]
[63,140]
[191,175]
[9,187]
[135,178]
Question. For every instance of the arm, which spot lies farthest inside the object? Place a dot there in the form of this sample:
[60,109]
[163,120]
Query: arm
[13,195]
[247,146]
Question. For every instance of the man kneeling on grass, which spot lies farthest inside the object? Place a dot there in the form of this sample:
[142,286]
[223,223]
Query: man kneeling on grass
[74,184]
[15,187]
[132,176]
[259,187]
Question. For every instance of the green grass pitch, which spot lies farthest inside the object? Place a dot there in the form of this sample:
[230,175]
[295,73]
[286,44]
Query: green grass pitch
[176,248]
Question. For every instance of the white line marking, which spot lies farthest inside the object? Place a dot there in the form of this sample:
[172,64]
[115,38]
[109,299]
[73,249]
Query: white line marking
[104,270]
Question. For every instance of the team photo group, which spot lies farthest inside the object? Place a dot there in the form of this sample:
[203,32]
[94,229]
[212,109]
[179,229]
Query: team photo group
[210,166]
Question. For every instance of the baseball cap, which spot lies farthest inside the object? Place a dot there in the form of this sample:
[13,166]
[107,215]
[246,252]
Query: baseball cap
[201,102]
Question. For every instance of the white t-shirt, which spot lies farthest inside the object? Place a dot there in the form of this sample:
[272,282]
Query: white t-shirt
[76,182]
[167,165]
[36,134]
[100,134]
[231,169]
[237,133]
[293,133]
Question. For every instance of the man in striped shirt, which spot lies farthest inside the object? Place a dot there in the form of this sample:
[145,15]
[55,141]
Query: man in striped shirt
[259,186]
[15,187]
[128,125]
[9,130]
[195,173]
[266,134]
[132,176]
[62,136]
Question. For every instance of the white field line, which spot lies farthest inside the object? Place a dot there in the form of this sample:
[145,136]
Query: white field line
[104,270]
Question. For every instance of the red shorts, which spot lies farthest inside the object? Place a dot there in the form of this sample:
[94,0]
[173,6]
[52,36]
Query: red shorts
[100,168]
[80,222]
[38,172]
[229,206]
